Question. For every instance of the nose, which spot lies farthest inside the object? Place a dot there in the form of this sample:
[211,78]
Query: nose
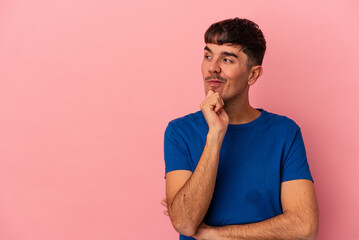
[214,67]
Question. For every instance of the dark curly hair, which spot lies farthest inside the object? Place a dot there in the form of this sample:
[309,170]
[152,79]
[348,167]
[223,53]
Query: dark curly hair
[239,31]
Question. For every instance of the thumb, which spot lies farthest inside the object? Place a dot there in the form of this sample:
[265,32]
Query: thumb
[210,93]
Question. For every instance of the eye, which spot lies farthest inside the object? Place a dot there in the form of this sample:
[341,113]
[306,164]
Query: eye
[227,60]
[207,57]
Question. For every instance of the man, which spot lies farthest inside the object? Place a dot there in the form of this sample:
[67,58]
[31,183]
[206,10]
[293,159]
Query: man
[234,171]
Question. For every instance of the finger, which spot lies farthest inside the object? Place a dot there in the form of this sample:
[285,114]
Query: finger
[221,100]
[222,114]
[218,105]
[218,96]
[164,203]
[210,93]
[212,103]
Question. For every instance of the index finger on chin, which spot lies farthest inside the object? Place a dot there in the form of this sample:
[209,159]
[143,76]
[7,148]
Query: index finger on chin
[210,93]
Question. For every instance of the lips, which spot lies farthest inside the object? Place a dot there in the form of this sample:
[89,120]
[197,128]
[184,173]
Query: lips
[215,83]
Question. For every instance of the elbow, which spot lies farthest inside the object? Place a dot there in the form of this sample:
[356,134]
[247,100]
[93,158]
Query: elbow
[187,231]
[305,228]
[183,225]
[184,228]
[309,232]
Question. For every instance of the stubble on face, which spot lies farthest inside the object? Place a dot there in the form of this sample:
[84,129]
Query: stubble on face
[227,64]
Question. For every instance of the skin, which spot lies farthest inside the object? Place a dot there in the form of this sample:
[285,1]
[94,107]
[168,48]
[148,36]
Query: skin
[219,62]
[188,194]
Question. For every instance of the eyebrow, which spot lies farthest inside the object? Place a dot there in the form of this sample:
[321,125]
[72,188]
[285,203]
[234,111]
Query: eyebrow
[222,53]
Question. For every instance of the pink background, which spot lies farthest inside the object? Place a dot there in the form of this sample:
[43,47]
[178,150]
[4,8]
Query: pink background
[88,87]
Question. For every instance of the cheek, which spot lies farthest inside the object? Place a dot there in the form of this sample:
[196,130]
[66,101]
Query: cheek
[203,67]
[237,78]
[231,73]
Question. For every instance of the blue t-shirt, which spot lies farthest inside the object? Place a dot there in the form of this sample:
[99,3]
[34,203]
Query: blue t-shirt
[254,159]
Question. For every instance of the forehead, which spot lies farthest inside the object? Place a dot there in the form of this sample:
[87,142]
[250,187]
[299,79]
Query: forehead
[219,49]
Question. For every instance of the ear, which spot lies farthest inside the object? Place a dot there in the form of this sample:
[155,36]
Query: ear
[254,74]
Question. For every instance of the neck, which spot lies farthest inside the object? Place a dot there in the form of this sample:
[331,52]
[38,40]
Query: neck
[239,110]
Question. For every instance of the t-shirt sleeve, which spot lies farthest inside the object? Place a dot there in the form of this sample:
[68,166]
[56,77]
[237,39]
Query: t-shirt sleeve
[175,155]
[295,164]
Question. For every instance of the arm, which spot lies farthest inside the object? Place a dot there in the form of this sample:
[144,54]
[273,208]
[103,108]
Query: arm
[189,194]
[298,221]
[188,206]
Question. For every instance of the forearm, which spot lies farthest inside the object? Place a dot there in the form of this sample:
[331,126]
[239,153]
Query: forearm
[285,226]
[191,203]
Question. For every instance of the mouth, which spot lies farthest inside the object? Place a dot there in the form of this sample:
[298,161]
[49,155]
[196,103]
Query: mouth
[215,83]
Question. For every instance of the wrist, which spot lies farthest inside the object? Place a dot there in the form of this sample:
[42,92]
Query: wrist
[216,136]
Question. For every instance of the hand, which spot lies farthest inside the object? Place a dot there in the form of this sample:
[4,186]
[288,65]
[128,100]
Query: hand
[164,203]
[212,108]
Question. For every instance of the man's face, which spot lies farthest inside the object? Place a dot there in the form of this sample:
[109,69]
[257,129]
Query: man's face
[224,70]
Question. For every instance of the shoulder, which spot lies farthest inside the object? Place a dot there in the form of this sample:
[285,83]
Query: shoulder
[191,117]
[188,122]
[281,123]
